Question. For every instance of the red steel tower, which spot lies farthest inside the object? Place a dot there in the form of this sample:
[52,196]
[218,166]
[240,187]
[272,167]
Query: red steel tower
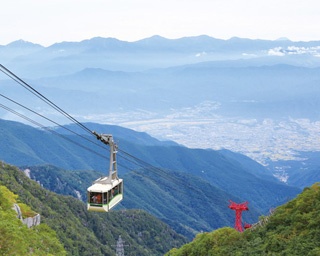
[238,208]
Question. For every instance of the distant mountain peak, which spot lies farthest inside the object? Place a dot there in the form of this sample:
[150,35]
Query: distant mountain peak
[282,39]
[154,38]
[102,39]
[22,43]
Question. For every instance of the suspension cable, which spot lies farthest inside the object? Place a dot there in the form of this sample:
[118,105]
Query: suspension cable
[50,130]
[58,134]
[42,97]
[137,161]
[45,99]
[48,119]
[128,157]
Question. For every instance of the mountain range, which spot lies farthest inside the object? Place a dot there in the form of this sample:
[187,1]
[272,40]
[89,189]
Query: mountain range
[201,92]
[199,121]
[154,52]
[291,229]
[187,188]
[66,224]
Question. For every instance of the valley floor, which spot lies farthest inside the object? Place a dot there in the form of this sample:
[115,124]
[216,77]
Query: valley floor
[261,140]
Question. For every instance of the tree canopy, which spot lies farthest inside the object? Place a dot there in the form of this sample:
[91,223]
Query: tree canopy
[293,229]
[79,231]
[16,238]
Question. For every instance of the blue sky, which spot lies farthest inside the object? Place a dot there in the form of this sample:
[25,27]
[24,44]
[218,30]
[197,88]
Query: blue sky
[49,21]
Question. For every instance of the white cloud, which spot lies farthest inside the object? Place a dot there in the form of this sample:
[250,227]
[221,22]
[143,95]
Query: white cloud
[291,50]
[200,54]
[276,52]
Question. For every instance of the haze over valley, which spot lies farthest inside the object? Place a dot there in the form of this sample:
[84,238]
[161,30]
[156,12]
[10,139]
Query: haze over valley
[256,97]
[189,128]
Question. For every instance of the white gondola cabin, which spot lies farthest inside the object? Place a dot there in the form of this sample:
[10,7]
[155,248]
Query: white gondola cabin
[106,192]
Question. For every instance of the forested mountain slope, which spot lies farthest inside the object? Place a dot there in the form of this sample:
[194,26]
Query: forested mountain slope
[16,238]
[300,172]
[86,233]
[257,97]
[25,145]
[187,203]
[293,229]
[215,175]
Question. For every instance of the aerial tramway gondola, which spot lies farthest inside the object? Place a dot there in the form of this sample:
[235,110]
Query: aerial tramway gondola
[106,192]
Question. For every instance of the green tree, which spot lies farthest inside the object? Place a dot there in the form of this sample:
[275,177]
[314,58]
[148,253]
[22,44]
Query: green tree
[17,239]
[293,229]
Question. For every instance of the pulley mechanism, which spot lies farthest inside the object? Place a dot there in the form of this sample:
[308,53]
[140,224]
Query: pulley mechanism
[106,192]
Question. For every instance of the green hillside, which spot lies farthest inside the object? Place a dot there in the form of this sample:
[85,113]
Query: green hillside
[238,176]
[187,188]
[187,203]
[86,233]
[16,238]
[229,174]
[293,229]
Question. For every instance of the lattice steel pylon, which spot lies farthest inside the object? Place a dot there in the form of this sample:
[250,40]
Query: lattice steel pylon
[239,208]
[120,247]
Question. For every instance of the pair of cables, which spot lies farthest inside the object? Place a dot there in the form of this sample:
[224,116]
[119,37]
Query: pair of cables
[128,157]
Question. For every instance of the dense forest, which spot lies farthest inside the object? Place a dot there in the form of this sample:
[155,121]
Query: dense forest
[189,189]
[292,229]
[181,191]
[16,238]
[80,232]
[166,196]
[75,231]
[68,229]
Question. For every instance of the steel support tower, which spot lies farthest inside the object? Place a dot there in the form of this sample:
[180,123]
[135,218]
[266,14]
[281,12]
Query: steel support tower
[239,208]
[120,247]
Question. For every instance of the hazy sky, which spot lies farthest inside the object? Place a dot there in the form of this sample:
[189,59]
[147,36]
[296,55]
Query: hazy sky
[49,21]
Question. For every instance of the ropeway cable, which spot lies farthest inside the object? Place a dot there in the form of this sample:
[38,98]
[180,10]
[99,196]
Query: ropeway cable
[39,95]
[48,119]
[137,161]
[42,97]
[60,135]
[50,130]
